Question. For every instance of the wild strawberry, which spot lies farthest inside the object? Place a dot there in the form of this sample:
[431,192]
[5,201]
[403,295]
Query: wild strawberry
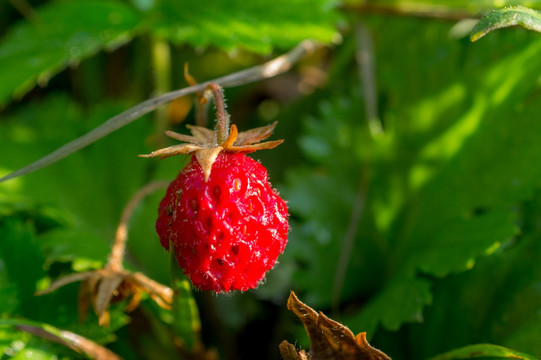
[226,224]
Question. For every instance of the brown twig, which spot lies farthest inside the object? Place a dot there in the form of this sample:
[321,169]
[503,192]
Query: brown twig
[71,340]
[119,247]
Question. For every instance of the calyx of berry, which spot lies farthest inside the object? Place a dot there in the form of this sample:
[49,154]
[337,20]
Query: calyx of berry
[206,144]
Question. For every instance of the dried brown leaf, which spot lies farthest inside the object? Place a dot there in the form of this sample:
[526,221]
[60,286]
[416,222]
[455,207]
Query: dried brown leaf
[181,149]
[329,339]
[255,147]
[106,290]
[206,158]
[253,136]
[154,288]
[289,352]
[205,146]
[202,134]
[104,286]
[64,281]
[182,137]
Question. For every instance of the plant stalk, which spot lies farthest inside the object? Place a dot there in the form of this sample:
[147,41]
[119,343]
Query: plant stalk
[116,257]
[222,116]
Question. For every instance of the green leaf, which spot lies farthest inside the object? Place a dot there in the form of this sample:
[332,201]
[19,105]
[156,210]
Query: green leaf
[330,140]
[438,202]
[62,34]
[257,26]
[503,309]
[109,174]
[9,298]
[21,261]
[414,295]
[481,351]
[81,246]
[82,232]
[455,216]
[463,240]
[510,16]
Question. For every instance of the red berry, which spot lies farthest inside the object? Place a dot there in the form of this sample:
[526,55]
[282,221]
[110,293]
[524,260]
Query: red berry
[226,232]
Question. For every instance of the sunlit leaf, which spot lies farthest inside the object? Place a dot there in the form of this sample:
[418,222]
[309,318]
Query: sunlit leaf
[510,16]
[257,26]
[483,351]
[21,260]
[503,309]
[61,34]
[109,173]
[437,207]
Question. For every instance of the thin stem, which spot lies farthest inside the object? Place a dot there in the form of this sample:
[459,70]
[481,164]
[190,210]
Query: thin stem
[365,56]
[365,60]
[187,321]
[222,116]
[66,338]
[269,69]
[349,241]
[121,237]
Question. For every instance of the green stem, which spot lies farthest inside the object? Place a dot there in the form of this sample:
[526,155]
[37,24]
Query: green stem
[186,324]
[222,116]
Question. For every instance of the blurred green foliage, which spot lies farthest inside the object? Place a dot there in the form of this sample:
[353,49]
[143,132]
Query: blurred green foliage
[434,223]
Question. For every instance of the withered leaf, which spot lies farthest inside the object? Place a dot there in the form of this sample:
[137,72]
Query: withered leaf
[105,285]
[329,339]
[204,144]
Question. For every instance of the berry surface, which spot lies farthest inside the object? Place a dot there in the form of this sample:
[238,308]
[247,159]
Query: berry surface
[227,232]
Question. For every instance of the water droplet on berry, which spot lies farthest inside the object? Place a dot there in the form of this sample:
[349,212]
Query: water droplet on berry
[237,184]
